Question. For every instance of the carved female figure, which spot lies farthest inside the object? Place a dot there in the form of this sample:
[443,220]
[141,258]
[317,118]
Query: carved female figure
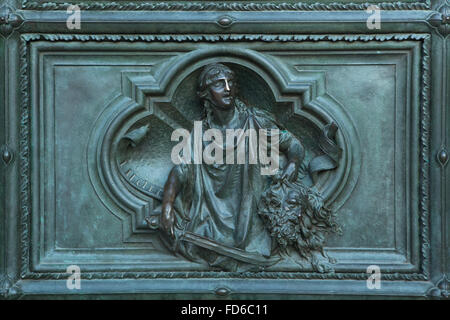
[218,202]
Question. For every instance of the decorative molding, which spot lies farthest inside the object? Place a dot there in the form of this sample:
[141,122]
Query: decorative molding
[226,37]
[225,21]
[222,291]
[24,153]
[225,6]
[440,19]
[9,289]
[442,156]
[7,154]
[440,290]
[424,180]
[221,275]
[442,153]
[24,159]
[9,20]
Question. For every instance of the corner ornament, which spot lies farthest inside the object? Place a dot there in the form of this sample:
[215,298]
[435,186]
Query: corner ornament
[9,21]
[440,19]
[441,290]
[9,289]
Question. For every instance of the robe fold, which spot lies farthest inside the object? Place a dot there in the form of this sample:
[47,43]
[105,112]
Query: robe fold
[219,201]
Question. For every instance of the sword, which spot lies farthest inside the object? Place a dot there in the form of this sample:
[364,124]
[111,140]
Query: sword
[235,253]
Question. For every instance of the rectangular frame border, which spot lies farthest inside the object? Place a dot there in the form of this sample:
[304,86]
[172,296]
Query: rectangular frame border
[227,6]
[424,163]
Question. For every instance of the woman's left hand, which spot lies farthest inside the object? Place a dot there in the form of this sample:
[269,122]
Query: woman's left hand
[290,171]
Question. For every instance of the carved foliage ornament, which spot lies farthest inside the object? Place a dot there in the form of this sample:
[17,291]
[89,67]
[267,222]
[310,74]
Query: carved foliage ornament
[440,19]
[9,20]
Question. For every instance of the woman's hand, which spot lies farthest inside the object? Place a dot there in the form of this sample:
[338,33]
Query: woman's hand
[171,189]
[168,219]
[290,171]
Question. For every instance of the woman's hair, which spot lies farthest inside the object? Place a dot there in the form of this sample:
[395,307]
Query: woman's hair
[207,76]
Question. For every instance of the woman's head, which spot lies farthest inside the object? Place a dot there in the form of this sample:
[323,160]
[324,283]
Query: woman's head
[216,85]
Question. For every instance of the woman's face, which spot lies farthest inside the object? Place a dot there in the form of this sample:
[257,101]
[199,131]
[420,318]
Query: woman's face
[222,91]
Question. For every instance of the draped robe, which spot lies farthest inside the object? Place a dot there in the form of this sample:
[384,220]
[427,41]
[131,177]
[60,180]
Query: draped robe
[219,201]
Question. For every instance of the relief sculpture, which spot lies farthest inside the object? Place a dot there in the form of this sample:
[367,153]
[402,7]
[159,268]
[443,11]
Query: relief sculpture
[224,149]
[236,198]
[241,194]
